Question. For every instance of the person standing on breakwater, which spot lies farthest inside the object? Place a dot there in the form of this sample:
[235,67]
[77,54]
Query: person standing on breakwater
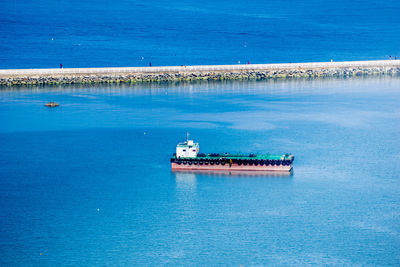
[60,66]
[150,64]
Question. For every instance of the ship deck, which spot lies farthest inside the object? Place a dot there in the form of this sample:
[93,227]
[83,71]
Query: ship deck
[219,156]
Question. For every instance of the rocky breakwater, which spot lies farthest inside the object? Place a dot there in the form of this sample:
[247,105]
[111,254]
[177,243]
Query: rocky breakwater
[189,73]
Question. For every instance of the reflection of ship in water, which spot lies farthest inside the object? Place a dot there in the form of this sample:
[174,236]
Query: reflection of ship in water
[186,180]
[188,158]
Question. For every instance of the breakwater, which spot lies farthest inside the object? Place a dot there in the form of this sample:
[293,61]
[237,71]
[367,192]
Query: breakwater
[207,72]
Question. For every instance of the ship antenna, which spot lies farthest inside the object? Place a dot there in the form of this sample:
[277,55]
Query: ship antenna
[187,136]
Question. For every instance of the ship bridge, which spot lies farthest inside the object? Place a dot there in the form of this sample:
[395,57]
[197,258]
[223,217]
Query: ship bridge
[187,149]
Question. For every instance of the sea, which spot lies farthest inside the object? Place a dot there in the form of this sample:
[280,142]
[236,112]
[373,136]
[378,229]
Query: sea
[89,183]
[83,33]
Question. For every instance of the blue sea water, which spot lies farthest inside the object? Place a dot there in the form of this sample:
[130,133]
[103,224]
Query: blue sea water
[76,33]
[89,183]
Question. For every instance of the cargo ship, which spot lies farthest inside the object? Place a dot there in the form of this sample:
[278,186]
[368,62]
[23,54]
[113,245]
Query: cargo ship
[188,158]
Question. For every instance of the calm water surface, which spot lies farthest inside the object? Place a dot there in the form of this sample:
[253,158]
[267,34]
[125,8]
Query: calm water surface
[89,183]
[82,33]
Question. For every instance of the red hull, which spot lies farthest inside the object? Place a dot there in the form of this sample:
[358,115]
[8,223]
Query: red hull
[228,167]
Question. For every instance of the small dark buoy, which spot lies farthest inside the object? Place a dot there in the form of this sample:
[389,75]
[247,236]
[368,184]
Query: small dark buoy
[52,104]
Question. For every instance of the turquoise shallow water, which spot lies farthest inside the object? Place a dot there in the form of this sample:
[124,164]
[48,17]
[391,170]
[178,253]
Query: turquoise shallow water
[89,183]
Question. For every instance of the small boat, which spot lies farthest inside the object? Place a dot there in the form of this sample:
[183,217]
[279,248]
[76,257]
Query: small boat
[52,105]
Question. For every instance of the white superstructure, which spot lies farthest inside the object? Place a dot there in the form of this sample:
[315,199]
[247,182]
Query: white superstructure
[187,149]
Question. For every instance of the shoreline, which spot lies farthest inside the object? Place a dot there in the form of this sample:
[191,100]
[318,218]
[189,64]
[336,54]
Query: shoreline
[11,77]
